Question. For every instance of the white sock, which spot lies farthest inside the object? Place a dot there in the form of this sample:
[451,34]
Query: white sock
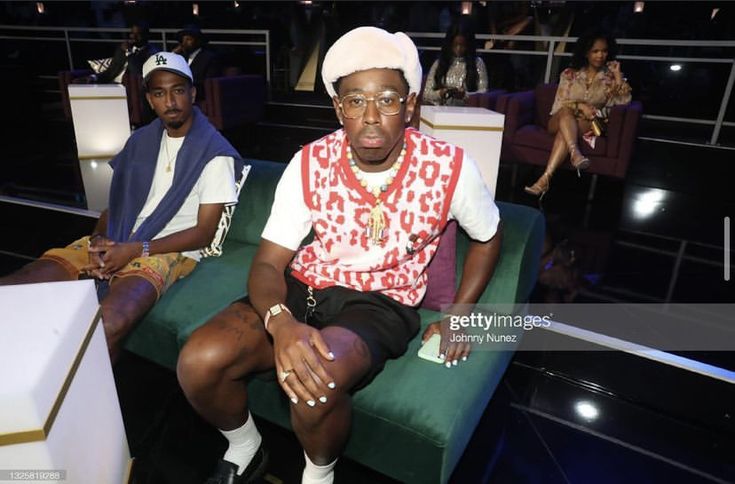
[314,474]
[244,442]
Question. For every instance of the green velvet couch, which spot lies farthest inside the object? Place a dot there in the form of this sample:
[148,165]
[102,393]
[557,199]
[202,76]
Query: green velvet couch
[414,420]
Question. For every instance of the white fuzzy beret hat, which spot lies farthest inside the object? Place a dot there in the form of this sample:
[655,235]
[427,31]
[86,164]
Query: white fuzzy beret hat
[371,48]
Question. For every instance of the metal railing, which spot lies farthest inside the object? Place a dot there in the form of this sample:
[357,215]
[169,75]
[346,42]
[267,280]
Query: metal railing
[162,37]
[550,53]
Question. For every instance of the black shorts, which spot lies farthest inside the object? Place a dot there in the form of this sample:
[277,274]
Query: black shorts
[385,325]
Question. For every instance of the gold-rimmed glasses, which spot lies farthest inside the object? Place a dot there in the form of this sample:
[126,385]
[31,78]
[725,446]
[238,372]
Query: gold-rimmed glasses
[388,103]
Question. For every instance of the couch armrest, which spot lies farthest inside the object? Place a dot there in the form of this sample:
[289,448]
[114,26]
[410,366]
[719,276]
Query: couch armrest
[627,137]
[520,255]
[519,111]
[615,118]
[487,100]
[66,78]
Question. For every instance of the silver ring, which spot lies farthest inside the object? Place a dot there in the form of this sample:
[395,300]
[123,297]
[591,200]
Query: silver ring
[284,374]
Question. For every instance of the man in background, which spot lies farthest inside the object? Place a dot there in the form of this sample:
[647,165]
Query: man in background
[202,61]
[129,57]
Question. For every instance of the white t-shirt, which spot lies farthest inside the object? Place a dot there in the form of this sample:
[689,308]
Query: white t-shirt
[216,184]
[290,219]
[193,55]
[118,78]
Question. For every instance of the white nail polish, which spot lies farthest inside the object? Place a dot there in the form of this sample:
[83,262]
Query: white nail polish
[441,356]
[448,364]
[323,399]
[464,358]
[311,403]
[331,385]
[294,400]
[331,355]
[454,363]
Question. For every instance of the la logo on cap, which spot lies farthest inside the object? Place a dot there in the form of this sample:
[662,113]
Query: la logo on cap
[160,60]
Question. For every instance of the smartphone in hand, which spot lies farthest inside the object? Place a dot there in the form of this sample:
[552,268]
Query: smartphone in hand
[429,351]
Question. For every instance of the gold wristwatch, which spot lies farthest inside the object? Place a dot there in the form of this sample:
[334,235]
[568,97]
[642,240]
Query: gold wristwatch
[274,311]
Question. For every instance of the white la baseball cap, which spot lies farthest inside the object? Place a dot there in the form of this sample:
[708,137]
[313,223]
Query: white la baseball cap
[167,61]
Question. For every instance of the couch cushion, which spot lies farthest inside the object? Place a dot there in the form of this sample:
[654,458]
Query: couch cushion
[441,283]
[534,136]
[545,94]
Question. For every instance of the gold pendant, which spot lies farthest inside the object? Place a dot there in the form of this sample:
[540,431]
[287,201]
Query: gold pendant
[376,224]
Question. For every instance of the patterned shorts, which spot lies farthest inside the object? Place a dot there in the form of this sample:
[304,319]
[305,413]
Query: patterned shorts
[161,270]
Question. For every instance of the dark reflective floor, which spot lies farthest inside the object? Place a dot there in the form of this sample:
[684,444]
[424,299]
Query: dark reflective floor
[656,237]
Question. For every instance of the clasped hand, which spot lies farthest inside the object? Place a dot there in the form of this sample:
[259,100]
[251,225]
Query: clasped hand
[106,256]
[298,351]
[449,92]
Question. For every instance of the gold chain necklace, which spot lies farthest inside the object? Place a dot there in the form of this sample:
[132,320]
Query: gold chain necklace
[376,230]
[169,159]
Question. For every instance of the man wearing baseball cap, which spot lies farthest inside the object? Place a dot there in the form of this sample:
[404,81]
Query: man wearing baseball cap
[202,61]
[328,314]
[170,185]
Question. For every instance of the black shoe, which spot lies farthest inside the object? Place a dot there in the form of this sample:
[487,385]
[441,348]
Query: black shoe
[226,472]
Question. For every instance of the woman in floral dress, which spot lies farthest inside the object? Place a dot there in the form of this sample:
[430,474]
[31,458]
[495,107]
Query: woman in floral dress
[587,89]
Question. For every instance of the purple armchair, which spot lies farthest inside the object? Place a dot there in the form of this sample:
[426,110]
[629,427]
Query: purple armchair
[66,78]
[525,139]
[487,100]
[234,101]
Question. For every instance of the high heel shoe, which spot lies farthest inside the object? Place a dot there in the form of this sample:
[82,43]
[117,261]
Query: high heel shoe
[578,160]
[541,186]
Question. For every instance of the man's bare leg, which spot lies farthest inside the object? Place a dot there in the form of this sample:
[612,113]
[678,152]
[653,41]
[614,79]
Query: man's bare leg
[323,429]
[216,359]
[211,370]
[126,303]
[41,270]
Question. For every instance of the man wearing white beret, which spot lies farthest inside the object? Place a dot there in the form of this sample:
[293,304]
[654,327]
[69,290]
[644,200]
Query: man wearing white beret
[327,315]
